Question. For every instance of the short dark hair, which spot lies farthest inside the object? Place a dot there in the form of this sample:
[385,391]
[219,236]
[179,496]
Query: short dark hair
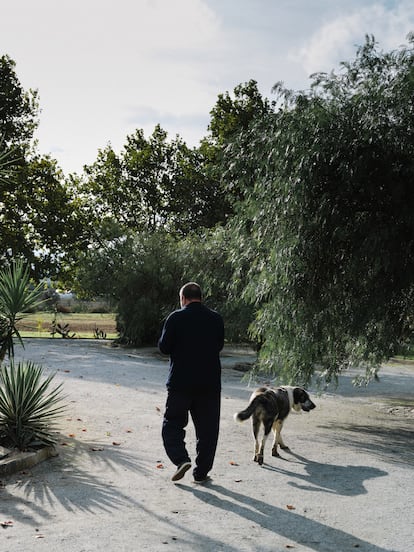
[191,290]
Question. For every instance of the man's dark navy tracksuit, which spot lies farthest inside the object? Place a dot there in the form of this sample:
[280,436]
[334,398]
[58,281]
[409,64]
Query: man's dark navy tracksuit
[193,336]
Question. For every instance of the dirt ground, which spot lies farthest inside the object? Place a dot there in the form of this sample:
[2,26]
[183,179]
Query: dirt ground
[347,484]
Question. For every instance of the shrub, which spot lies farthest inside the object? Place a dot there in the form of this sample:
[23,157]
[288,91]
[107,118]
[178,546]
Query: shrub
[28,407]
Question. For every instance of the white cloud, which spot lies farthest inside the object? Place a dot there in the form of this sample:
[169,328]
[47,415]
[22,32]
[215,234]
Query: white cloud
[104,68]
[338,39]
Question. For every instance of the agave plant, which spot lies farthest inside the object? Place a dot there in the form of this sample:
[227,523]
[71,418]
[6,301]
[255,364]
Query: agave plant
[16,298]
[29,408]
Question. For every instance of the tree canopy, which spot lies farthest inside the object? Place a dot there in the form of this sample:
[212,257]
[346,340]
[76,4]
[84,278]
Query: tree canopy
[40,217]
[328,228]
[154,183]
[296,211]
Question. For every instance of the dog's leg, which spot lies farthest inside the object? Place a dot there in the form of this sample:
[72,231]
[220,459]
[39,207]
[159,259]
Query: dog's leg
[279,437]
[277,428]
[275,435]
[256,429]
[267,428]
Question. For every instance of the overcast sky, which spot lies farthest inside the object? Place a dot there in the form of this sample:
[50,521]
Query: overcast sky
[104,68]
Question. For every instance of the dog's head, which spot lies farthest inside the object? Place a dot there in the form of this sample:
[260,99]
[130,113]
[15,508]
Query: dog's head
[301,400]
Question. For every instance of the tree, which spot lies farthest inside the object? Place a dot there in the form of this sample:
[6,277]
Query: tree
[41,217]
[327,229]
[154,183]
[231,117]
[18,109]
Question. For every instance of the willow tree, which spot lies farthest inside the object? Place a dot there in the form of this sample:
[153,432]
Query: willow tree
[327,229]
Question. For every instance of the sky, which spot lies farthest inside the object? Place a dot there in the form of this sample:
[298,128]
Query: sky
[104,68]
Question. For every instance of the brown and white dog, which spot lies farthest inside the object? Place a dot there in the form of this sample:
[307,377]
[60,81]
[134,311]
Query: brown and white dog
[270,407]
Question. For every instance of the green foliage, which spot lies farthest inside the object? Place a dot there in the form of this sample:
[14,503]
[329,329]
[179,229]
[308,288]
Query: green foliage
[41,217]
[143,273]
[16,299]
[153,184]
[233,115]
[28,407]
[149,290]
[61,329]
[18,109]
[327,231]
[206,259]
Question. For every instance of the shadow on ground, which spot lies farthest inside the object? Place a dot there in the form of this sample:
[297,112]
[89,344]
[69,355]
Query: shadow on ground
[328,478]
[390,442]
[64,480]
[285,523]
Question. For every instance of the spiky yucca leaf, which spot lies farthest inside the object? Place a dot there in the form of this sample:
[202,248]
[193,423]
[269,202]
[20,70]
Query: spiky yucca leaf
[15,295]
[28,407]
[15,299]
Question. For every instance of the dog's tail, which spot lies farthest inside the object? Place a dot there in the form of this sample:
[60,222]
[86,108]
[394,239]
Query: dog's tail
[247,412]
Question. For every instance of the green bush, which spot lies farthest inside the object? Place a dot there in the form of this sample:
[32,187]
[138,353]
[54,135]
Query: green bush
[28,407]
[150,289]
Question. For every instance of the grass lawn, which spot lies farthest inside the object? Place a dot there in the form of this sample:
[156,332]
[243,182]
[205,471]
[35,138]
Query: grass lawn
[84,325]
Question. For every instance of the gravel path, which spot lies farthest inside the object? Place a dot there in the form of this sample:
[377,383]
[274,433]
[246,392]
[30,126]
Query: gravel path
[347,484]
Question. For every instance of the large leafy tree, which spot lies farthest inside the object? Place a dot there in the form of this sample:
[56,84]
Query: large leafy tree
[232,116]
[43,220]
[41,217]
[18,108]
[327,231]
[153,183]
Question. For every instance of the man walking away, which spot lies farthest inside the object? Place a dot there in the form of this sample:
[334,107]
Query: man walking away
[193,336]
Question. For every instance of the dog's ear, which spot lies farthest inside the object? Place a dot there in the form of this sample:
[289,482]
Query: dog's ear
[300,395]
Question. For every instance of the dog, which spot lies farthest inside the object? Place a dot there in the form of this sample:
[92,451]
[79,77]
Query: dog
[270,407]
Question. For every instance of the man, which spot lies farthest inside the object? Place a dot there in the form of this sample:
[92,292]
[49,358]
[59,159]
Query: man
[193,336]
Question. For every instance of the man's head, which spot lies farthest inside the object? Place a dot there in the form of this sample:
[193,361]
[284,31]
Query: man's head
[189,293]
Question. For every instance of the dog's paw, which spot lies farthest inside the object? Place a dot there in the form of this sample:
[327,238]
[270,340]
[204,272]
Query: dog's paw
[275,454]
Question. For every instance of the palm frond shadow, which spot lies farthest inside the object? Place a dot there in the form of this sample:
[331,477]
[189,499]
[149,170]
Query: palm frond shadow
[72,478]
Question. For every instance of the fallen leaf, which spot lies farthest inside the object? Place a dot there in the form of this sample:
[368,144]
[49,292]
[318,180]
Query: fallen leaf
[84,430]
[289,546]
[6,523]
[290,507]
[71,435]
[96,449]
[39,536]
[66,371]
[64,444]
[128,431]
[116,443]
[233,463]
[238,480]
[160,466]
[158,409]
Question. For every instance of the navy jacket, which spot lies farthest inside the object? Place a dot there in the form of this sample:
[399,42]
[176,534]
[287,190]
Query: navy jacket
[193,337]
